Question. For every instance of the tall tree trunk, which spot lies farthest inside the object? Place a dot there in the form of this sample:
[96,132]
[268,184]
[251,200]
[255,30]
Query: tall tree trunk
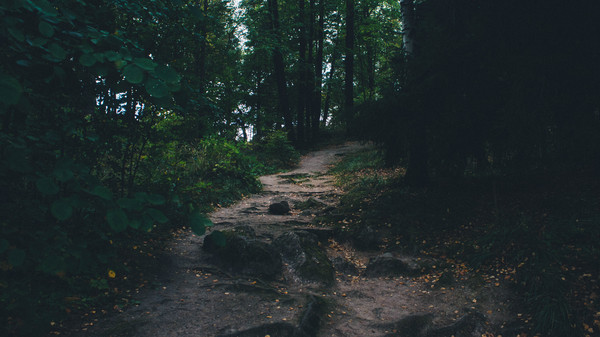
[370,71]
[201,60]
[258,124]
[417,170]
[279,70]
[408,26]
[333,60]
[301,74]
[316,111]
[310,72]
[349,64]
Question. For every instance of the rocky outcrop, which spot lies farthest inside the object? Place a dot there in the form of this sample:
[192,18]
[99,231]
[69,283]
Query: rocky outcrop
[279,208]
[470,325]
[388,265]
[366,238]
[239,251]
[344,266]
[305,258]
[308,326]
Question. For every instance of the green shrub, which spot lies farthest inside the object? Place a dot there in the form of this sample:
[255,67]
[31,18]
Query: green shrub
[276,152]
[210,172]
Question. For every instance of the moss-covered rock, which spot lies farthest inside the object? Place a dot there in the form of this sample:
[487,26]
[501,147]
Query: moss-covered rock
[239,251]
[307,260]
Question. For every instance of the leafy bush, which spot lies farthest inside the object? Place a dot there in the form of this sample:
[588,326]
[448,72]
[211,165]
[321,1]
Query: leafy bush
[276,152]
[210,172]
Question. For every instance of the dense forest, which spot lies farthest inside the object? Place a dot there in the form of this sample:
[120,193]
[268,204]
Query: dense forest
[121,121]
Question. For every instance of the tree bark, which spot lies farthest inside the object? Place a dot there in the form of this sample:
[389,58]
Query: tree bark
[408,26]
[301,108]
[310,72]
[349,64]
[201,60]
[316,112]
[333,60]
[279,70]
[418,154]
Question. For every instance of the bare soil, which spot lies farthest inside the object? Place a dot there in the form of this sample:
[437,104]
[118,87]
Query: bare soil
[194,297]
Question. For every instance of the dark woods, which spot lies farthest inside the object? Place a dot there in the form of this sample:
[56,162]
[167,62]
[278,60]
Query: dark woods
[123,120]
[493,86]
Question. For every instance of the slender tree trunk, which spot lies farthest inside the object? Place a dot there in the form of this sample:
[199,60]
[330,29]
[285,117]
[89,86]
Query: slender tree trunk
[408,26]
[310,72]
[201,60]
[349,64]
[417,170]
[334,56]
[370,71]
[301,74]
[316,112]
[279,70]
[258,122]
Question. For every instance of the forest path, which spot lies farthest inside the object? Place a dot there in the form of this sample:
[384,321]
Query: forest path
[195,297]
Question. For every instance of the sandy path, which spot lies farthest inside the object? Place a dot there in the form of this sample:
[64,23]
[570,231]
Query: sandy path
[195,298]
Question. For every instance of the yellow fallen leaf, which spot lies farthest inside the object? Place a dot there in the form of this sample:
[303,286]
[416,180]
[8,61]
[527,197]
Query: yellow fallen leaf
[111,273]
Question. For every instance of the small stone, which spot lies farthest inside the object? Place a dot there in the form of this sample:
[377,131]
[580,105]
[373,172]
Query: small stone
[279,208]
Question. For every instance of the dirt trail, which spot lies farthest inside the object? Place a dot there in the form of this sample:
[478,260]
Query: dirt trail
[196,298]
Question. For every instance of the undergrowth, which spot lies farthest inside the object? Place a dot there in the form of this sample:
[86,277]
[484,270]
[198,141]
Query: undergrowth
[93,253]
[538,233]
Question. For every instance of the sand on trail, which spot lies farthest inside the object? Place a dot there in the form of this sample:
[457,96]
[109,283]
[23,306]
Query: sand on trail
[193,297]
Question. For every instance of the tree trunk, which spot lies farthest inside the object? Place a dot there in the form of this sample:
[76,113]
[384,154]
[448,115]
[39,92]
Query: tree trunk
[417,170]
[201,60]
[300,113]
[310,72]
[316,112]
[279,70]
[258,124]
[408,26]
[349,64]
[333,60]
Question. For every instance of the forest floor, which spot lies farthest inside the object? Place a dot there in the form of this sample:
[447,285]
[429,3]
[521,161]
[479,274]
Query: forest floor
[191,296]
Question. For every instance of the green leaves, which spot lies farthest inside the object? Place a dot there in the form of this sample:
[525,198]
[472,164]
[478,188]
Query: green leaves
[133,74]
[117,220]
[46,29]
[16,257]
[57,52]
[130,203]
[157,215]
[102,192]
[157,88]
[167,74]
[87,59]
[16,33]
[63,174]
[44,7]
[145,63]
[10,89]
[3,245]
[62,209]
[156,199]
[199,222]
[47,186]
